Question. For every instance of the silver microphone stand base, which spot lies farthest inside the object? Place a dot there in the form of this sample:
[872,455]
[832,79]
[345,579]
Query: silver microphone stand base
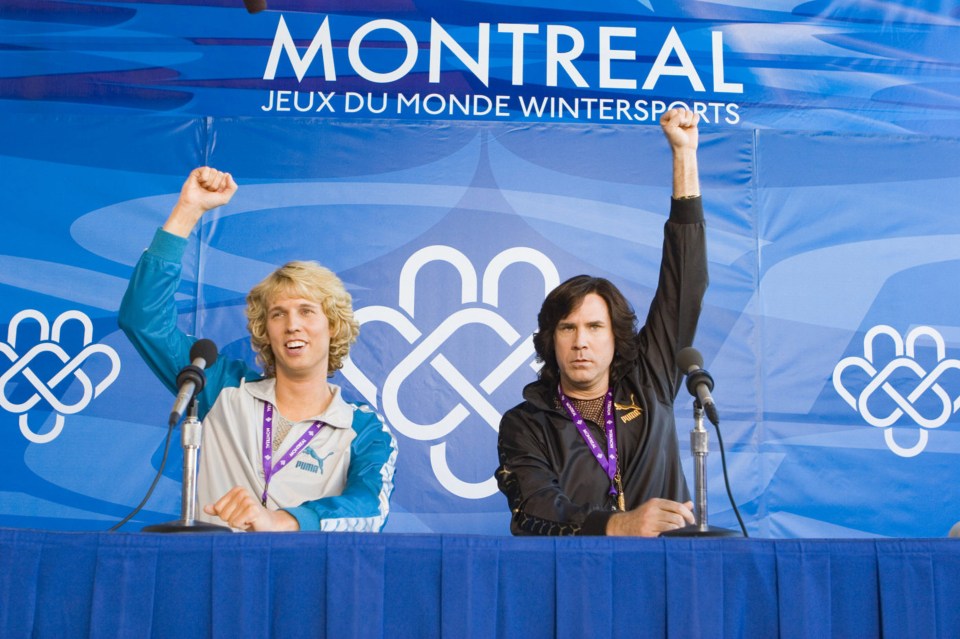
[694,530]
[699,447]
[191,436]
[181,526]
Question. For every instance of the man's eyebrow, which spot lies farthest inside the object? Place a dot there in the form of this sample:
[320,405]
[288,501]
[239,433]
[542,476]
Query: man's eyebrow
[305,303]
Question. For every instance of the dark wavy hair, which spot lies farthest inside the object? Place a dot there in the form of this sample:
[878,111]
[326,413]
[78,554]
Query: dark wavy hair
[564,300]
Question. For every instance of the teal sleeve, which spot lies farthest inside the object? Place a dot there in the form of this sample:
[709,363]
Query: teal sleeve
[148,316]
[365,501]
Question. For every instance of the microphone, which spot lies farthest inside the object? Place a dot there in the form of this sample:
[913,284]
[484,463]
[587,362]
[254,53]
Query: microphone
[191,379]
[699,381]
[255,6]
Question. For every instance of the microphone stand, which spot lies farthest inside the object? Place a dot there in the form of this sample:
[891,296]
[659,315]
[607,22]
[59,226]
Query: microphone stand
[191,434]
[698,446]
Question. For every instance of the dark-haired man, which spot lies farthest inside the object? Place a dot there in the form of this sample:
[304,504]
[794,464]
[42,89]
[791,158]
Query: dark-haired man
[593,448]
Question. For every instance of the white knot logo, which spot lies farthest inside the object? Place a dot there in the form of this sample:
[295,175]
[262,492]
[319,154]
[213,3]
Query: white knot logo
[904,351]
[425,349]
[49,342]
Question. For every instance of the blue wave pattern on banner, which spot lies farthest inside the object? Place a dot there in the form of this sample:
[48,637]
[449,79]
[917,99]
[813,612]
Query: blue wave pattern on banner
[783,65]
[831,247]
[63,168]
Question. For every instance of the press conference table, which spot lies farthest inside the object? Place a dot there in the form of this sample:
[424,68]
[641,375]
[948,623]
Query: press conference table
[62,584]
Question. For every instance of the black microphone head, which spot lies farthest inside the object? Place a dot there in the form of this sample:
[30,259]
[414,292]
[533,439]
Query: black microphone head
[688,358]
[255,6]
[206,349]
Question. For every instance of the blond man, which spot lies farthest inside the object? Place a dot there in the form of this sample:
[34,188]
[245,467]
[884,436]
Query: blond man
[282,449]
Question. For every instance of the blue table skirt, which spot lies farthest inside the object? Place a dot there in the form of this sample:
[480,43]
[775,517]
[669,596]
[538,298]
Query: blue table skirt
[59,584]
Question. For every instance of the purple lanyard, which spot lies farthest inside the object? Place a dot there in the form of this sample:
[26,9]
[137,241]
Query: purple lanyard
[609,461]
[271,470]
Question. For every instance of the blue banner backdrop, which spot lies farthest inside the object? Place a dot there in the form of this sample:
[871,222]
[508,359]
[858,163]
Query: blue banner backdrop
[452,173]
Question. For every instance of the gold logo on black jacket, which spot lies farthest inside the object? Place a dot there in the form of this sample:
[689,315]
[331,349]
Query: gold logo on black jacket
[635,411]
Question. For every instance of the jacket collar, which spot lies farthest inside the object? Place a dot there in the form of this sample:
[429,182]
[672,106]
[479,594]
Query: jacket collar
[540,395]
[338,414]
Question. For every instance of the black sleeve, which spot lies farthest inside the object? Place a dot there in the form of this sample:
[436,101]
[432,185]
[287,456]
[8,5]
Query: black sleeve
[671,322]
[528,479]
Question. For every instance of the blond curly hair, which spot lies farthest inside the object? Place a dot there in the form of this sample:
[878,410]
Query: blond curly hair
[310,281]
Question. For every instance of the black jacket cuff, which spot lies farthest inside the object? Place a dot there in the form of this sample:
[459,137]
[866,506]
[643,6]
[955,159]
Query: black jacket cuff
[688,210]
[596,523]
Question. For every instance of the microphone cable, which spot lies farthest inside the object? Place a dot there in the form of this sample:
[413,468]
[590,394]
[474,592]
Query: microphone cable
[156,479]
[726,482]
